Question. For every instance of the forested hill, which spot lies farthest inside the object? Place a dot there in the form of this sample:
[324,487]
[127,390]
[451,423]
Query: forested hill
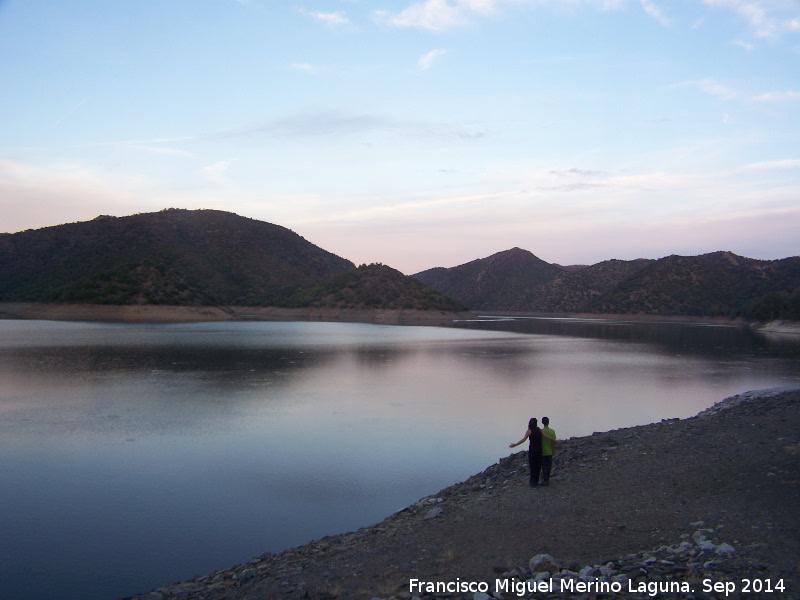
[715,284]
[499,281]
[170,257]
[208,257]
[375,286]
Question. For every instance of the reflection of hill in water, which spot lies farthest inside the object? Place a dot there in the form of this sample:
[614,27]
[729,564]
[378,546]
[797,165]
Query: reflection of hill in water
[232,366]
[693,338]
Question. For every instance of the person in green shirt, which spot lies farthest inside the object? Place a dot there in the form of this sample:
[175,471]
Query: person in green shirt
[534,437]
[548,443]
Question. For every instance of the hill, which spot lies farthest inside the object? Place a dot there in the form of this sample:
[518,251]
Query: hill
[716,284]
[497,282]
[181,257]
[575,290]
[374,286]
[215,258]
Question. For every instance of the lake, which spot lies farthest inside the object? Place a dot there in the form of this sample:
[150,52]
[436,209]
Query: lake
[134,456]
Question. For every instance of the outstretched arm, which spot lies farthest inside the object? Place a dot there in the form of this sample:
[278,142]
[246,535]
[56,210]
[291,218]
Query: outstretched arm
[527,435]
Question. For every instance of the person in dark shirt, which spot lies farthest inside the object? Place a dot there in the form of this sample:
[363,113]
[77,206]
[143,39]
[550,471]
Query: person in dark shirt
[534,437]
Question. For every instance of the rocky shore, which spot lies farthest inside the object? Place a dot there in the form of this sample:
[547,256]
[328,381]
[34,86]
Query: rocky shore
[705,507]
[784,327]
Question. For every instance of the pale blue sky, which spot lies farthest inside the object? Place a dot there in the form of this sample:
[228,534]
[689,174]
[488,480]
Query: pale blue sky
[417,134]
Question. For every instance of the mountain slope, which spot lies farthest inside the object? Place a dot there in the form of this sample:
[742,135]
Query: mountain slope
[715,284]
[496,282]
[173,256]
[375,286]
[574,291]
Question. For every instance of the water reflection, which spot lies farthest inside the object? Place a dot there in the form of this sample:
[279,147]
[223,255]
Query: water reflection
[195,446]
[700,338]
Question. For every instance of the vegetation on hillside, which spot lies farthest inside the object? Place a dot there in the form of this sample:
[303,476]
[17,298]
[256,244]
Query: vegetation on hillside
[497,282]
[170,257]
[716,284]
[374,286]
[720,284]
[208,257]
[573,291]
[775,306]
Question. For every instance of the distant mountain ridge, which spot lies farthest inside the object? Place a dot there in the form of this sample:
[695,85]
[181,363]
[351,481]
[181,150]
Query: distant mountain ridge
[498,281]
[574,291]
[217,258]
[715,284]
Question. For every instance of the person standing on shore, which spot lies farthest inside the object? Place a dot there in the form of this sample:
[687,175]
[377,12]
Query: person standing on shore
[548,444]
[534,437]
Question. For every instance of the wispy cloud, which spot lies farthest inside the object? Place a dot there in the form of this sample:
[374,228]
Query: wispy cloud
[577,172]
[309,124]
[329,19]
[789,163]
[442,15]
[152,145]
[575,214]
[426,61]
[217,172]
[306,67]
[336,123]
[655,12]
[712,87]
[709,86]
[71,110]
[159,150]
[767,18]
[434,15]
[783,96]
[742,44]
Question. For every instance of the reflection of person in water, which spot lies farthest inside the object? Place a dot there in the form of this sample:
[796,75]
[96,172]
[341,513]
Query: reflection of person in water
[534,435]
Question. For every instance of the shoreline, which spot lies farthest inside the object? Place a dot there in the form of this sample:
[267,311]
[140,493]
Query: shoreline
[717,511]
[160,313]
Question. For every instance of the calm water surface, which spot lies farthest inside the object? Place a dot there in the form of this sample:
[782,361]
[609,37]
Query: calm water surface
[134,456]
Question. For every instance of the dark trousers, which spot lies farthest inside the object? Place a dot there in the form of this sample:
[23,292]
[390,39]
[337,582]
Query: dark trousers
[547,465]
[535,463]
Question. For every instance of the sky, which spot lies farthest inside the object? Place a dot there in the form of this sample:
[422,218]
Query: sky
[415,133]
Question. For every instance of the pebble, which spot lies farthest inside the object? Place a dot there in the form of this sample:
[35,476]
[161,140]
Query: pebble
[669,565]
[433,513]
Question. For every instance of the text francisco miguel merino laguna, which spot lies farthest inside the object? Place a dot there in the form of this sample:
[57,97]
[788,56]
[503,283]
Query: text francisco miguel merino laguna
[549,586]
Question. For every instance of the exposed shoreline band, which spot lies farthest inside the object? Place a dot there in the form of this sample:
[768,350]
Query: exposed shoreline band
[161,313]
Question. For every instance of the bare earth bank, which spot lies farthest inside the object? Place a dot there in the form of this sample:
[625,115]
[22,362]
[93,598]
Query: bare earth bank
[153,313]
[158,313]
[704,507]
